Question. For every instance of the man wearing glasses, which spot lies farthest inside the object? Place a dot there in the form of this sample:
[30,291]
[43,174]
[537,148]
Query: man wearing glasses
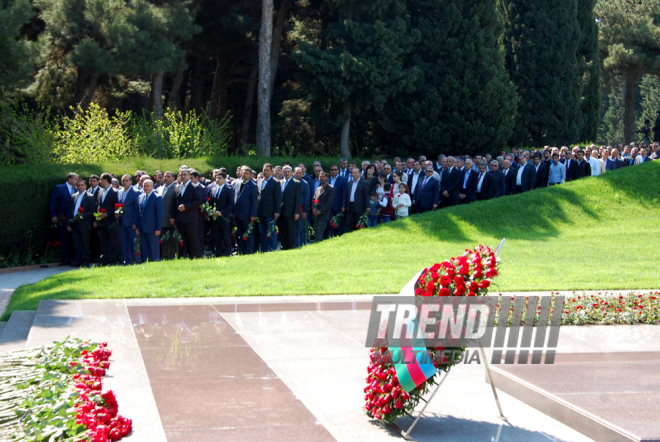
[339,184]
[428,192]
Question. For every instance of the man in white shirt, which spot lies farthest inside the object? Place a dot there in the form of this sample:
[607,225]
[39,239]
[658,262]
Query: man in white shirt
[593,162]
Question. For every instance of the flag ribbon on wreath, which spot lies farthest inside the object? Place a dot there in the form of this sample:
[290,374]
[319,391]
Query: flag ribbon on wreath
[411,361]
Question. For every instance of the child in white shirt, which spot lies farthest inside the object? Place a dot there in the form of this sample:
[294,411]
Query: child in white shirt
[401,201]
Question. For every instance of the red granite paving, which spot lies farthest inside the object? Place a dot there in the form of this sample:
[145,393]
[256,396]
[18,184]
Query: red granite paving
[209,384]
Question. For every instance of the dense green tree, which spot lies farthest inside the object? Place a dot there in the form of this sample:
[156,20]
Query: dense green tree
[467,102]
[589,60]
[630,44]
[15,52]
[649,92]
[541,39]
[359,61]
[610,130]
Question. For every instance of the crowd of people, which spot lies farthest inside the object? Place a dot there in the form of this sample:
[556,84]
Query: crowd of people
[109,220]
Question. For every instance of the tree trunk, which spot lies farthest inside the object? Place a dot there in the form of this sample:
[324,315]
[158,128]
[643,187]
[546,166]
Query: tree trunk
[247,114]
[157,94]
[173,101]
[196,85]
[265,42]
[345,151]
[215,90]
[629,112]
[80,85]
[278,30]
[91,89]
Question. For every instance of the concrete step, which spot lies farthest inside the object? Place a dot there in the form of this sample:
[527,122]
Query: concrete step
[15,333]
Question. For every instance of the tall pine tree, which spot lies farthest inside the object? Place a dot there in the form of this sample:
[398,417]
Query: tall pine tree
[15,52]
[589,60]
[359,63]
[541,39]
[467,101]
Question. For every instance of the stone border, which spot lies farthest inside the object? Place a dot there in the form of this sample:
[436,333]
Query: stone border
[29,268]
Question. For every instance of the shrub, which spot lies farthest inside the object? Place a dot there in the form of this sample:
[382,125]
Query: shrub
[26,135]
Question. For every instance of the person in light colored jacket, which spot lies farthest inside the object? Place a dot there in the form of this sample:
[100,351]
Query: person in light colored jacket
[401,201]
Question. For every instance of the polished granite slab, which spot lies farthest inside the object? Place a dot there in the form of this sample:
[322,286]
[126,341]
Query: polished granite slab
[209,384]
[606,396]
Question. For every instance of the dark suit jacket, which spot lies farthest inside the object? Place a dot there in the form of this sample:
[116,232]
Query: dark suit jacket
[291,198]
[499,183]
[584,169]
[510,181]
[151,211]
[245,201]
[486,186]
[471,187]
[542,176]
[571,170]
[340,189]
[88,205]
[168,201]
[428,195]
[191,200]
[306,199]
[310,182]
[361,201]
[225,201]
[108,204]
[59,200]
[325,196]
[528,178]
[130,216]
[271,198]
[454,183]
[613,164]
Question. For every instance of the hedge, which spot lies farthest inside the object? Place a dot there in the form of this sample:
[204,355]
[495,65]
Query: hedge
[25,190]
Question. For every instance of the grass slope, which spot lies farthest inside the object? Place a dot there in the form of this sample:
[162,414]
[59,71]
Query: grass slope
[596,233]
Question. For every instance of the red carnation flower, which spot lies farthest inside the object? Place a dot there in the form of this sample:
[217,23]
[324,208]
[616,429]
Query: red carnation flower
[245,238]
[316,201]
[459,281]
[80,210]
[102,210]
[181,243]
[474,286]
[484,284]
[445,280]
[460,290]
[444,292]
[208,199]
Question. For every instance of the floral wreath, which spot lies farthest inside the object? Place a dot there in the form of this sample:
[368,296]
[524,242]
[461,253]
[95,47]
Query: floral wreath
[466,275]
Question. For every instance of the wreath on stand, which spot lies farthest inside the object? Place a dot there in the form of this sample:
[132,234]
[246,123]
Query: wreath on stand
[386,398]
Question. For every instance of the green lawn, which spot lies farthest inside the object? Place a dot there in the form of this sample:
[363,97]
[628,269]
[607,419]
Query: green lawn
[598,233]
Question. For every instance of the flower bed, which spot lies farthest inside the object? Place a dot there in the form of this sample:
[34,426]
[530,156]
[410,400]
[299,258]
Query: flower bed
[602,309]
[55,394]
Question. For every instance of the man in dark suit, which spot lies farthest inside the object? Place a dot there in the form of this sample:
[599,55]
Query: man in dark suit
[468,184]
[509,177]
[356,199]
[306,215]
[343,170]
[198,181]
[452,186]
[81,230]
[322,205]
[128,221]
[584,168]
[291,208]
[184,209]
[427,193]
[339,185]
[414,177]
[571,168]
[223,199]
[245,209]
[107,226]
[268,210]
[94,188]
[541,172]
[59,206]
[525,175]
[613,162]
[484,184]
[151,212]
[170,247]
[499,180]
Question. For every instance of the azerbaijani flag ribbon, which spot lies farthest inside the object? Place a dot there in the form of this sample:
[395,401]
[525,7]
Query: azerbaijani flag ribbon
[412,363]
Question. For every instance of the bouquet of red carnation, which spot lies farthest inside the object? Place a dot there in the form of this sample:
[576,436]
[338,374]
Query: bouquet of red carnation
[466,275]
[99,215]
[78,217]
[337,220]
[61,220]
[119,209]
[210,210]
[138,245]
[172,233]
[362,221]
[272,230]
